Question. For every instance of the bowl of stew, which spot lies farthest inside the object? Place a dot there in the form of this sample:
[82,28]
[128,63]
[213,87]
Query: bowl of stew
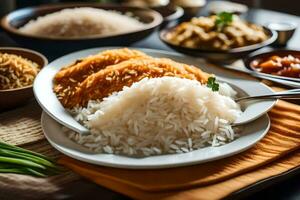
[220,38]
[284,64]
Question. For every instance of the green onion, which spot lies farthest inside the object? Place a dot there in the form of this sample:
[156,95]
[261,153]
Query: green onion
[35,172]
[27,171]
[13,170]
[21,161]
[19,149]
[25,156]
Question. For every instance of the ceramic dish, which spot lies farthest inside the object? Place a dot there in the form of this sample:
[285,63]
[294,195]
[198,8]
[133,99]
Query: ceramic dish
[14,97]
[170,14]
[47,99]
[251,134]
[248,61]
[285,31]
[191,7]
[11,22]
[219,56]
[146,3]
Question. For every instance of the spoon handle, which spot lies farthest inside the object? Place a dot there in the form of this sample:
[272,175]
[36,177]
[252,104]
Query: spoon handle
[281,81]
[292,84]
[290,94]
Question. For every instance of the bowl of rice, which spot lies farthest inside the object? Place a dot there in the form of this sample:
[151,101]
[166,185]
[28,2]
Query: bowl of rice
[61,28]
[18,69]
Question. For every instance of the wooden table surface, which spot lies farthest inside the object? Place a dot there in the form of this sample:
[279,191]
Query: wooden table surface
[282,187]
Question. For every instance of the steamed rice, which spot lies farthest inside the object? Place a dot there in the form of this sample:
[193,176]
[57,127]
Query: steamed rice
[158,116]
[79,22]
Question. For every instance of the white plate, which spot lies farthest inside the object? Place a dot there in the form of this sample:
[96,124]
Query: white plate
[251,134]
[245,84]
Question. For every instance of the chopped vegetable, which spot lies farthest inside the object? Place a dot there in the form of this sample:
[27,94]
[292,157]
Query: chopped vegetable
[223,19]
[211,83]
[18,160]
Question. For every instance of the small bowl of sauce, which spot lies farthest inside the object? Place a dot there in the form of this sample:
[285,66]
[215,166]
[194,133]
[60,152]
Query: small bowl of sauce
[280,63]
[285,31]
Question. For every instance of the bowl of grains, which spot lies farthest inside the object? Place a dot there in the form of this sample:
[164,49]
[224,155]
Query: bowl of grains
[18,69]
[65,27]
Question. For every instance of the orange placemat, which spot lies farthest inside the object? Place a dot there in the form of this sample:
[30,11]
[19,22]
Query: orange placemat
[274,154]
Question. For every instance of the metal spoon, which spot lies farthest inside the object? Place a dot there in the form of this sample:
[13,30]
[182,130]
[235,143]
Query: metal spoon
[281,81]
[289,94]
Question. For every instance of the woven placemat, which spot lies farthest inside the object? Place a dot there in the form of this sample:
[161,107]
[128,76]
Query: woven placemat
[22,127]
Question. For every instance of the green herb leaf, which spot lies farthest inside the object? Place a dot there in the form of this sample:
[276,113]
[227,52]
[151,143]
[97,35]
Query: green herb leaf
[211,83]
[223,19]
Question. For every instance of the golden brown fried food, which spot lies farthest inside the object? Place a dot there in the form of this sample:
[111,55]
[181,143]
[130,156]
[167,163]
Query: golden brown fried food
[204,33]
[113,78]
[70,76]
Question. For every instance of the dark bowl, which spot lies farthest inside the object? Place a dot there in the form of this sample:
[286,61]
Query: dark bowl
[220,56]
[15,97]
[170,14]
[11,22]
[248,61]
[190,10]
[285,31]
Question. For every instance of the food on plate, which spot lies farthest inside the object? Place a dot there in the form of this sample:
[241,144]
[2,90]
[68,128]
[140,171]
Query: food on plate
[158,116]
[16,71]
[113,78]
[68,79]
[82,22]
[149,106]
[224,31]
[94,63]
[279,65]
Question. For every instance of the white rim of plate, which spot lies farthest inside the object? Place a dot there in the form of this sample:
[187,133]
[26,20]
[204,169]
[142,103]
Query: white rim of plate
[54,134]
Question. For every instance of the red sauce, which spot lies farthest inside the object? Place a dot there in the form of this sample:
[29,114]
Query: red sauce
[288,66]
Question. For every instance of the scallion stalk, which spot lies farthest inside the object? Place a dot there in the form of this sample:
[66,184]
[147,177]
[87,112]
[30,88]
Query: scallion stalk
[15,159]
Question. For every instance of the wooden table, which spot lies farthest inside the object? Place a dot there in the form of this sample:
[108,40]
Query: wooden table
[286,186]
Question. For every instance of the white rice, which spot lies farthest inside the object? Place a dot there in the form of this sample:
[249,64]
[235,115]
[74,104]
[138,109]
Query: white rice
[79,22]
[159,116]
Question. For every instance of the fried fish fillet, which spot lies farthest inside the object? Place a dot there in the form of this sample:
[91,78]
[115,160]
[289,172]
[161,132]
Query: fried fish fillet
[70,76]
[113,78]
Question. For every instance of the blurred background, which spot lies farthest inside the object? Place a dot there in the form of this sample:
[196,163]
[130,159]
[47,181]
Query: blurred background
[287,6]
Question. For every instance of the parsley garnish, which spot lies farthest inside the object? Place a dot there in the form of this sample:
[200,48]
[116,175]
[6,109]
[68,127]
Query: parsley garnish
[223,19]
[211,83]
